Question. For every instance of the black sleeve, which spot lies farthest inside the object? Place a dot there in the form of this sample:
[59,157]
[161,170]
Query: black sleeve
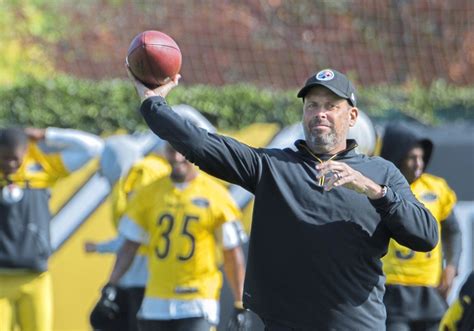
[409,222]
[220,156]
[451,239]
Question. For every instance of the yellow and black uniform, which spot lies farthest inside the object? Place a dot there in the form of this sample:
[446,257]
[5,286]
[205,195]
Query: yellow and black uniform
[122,163]
[142,173]
[412,297]
[25,284]
[182,224]
[460,315]
[406,267]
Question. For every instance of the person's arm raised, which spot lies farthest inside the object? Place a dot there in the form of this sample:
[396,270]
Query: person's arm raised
[218,155]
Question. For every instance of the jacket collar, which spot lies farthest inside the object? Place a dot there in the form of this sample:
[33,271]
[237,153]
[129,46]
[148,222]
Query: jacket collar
[346,153]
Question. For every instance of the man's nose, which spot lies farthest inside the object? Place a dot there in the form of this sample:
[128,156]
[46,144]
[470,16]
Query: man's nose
[419,162]
[320,112]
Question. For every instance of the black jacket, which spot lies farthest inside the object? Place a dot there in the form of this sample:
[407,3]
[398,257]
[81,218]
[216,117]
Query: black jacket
[314,256]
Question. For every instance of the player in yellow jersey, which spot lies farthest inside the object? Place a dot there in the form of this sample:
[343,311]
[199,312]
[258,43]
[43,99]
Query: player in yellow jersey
[184,219]
[460,315]
[123,164]
[418,283]
[31,161]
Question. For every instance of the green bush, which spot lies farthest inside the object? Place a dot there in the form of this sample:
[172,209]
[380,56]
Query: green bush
[97,107]
[106,106]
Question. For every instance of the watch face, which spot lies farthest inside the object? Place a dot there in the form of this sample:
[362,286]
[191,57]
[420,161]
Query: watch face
[11,194]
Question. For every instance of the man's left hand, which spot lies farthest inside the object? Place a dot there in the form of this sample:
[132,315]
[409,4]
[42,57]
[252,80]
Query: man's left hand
[340,174]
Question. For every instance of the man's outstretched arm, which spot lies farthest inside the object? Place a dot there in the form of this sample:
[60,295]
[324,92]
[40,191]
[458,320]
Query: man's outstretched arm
[220,156]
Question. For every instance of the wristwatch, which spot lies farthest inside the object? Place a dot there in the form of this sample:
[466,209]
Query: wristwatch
[384,190]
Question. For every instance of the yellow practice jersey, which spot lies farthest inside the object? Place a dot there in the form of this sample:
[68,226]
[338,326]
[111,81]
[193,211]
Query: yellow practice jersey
[181,224]
[142,173]
[404,266]
[39,169]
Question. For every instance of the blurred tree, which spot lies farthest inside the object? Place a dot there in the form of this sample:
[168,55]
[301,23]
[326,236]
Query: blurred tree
[26,26]
[269,43]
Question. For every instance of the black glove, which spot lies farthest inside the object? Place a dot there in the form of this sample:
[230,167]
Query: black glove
[107,309]
[240,320]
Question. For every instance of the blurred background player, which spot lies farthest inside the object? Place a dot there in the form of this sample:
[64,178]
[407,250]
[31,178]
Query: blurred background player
[125,167]
[418,283]
[460,315]
[184,216]
[31,161]
[123,164]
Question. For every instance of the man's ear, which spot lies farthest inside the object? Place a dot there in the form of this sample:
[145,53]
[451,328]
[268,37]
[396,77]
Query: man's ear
[353,114]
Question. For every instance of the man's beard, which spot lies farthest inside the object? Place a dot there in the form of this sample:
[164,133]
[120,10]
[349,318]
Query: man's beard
[177,175]
[320,142]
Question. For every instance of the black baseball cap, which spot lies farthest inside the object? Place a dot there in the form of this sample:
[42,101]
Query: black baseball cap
[333,80]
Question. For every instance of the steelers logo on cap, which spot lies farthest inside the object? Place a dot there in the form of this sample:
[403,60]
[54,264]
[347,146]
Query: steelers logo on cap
[325,75]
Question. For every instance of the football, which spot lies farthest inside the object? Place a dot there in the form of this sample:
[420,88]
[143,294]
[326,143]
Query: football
[153,57]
